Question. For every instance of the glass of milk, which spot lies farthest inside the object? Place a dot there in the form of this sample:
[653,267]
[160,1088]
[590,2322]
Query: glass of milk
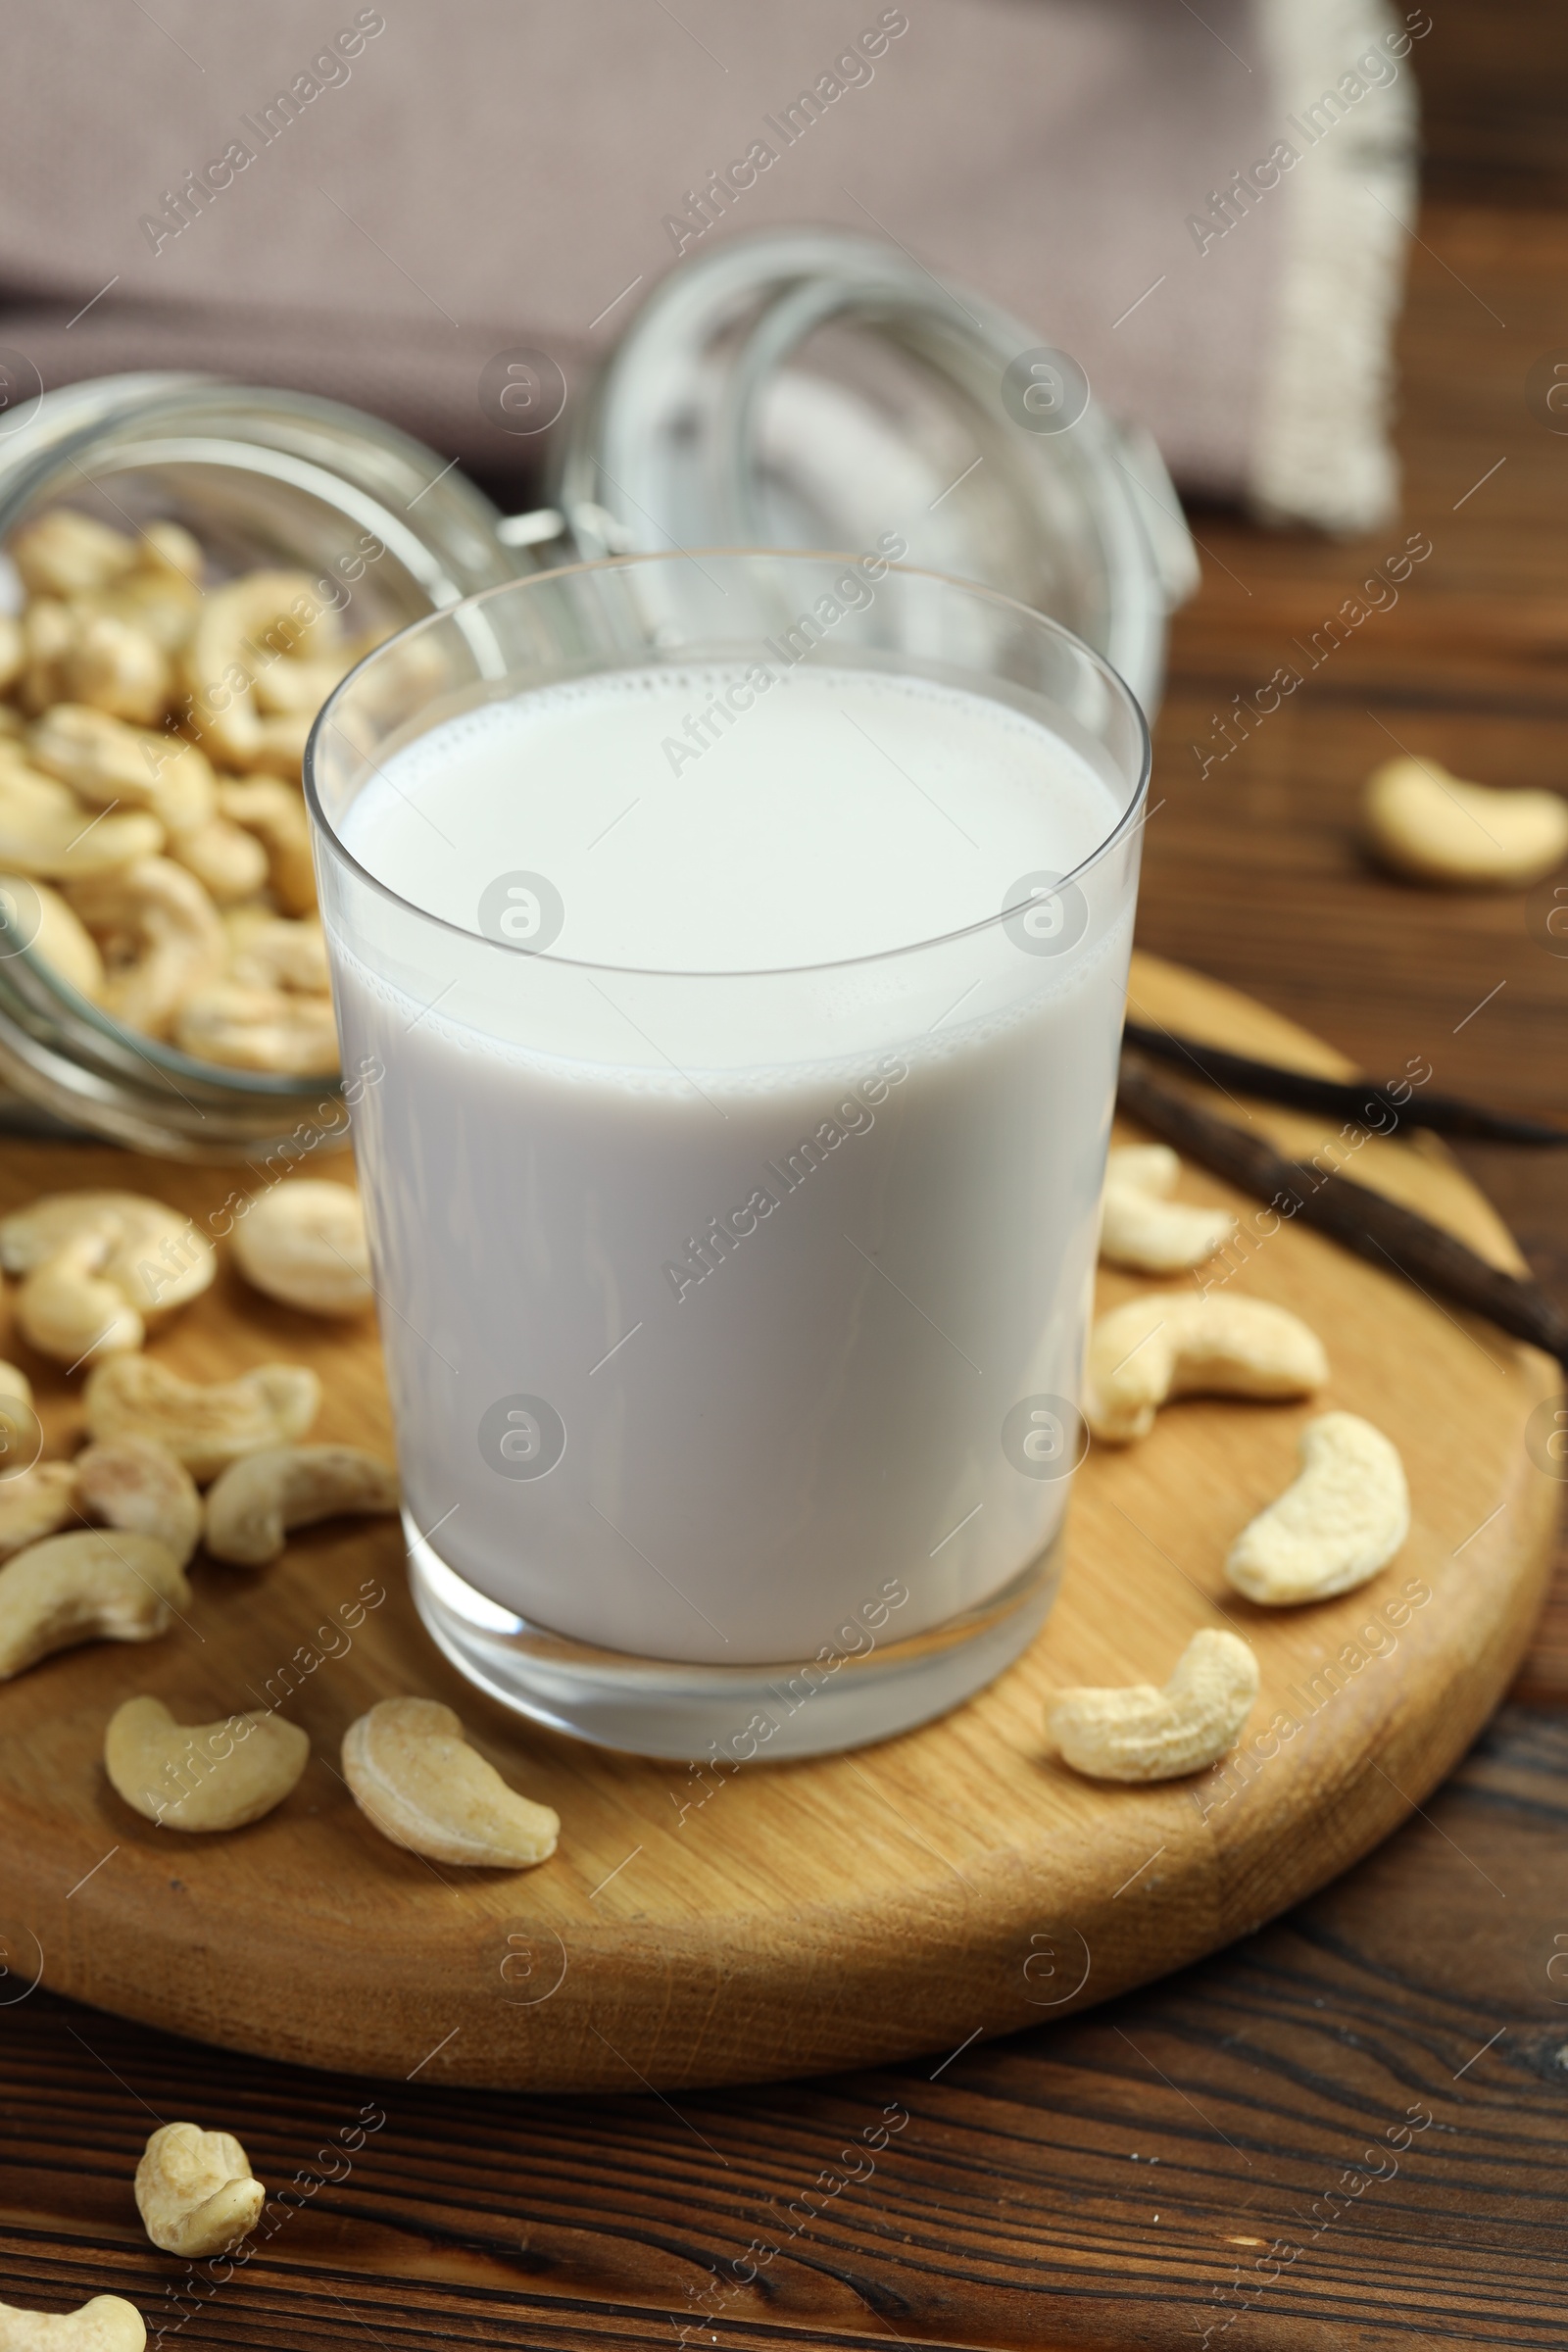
[729,953]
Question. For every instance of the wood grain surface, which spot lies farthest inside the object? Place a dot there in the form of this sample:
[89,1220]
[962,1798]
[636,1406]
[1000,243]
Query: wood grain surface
[1021,2205]
[700,1925]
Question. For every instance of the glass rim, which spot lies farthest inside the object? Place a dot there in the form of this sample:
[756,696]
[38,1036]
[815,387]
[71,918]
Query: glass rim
[332,842]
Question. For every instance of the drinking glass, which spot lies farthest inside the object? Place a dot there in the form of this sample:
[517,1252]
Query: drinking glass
[734,1319]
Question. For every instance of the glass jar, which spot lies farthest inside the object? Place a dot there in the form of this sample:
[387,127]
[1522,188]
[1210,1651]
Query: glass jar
[260,478]
[796,389]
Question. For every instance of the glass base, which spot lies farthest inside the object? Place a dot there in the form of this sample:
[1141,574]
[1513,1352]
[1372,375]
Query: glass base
[659,1707]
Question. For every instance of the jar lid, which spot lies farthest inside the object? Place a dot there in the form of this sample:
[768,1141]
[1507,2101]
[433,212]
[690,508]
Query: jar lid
[808,388]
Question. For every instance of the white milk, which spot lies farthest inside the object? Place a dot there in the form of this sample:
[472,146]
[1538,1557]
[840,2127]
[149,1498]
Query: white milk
[777,1299]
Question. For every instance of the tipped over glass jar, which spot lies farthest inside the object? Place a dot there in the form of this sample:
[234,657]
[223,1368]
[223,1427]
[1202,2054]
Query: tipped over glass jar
[795,389]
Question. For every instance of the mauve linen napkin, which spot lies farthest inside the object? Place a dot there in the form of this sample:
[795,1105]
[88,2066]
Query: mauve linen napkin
[370,201]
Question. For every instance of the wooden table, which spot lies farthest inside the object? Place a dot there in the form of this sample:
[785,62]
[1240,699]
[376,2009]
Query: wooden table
[1115,2180]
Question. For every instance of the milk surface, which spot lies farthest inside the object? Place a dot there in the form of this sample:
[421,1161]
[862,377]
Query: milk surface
[766,1302]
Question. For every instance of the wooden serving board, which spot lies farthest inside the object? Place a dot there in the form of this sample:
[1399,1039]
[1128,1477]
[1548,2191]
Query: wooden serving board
[785,1919]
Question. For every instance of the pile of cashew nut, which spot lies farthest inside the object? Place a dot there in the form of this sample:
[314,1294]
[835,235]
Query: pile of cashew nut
[97,1549]
[155,849]
[1343,1519]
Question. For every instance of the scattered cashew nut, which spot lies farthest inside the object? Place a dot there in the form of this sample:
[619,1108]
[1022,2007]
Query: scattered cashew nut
[1140,1734]
[85,1587]
[202,1775]
[160,934]
[107,2324]
[1171,1344]
[414,1774]
[304,1242]
[195,2192]
[205,1424]
[34,1504]
[256,1501]
[99,1269]
[137,1484]
[1343,1519]
[1142,1227]
[39,1498]
[1428,824]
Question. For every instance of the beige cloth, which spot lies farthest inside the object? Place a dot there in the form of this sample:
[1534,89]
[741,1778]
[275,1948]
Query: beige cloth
[442,182]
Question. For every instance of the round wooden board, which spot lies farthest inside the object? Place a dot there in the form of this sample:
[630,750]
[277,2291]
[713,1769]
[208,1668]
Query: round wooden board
[782,1920]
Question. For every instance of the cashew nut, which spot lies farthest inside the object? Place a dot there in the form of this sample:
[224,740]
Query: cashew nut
[46,833]
[48,633]
[298,689]
[160,934]
[1140,1734]
[413,1772]
[1343,1519]
[20,1434]
[68,1311]
[1142,1227]
[137,1484]
[259,1029]
[54,932]
[205,1424]
[304,1242]
[1172,1344]
[202,1775]
[117,666]
[280,952]
[277,814]
[195,2192]
[157,601]
[282,749]
[109,764]
[108,2324]
[244,628]
[89,1585]
[34,1504]
[61,553]
[1428,824]
[99,1267]
[227,862]
[256,1501]
[168,547]
[11,659]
